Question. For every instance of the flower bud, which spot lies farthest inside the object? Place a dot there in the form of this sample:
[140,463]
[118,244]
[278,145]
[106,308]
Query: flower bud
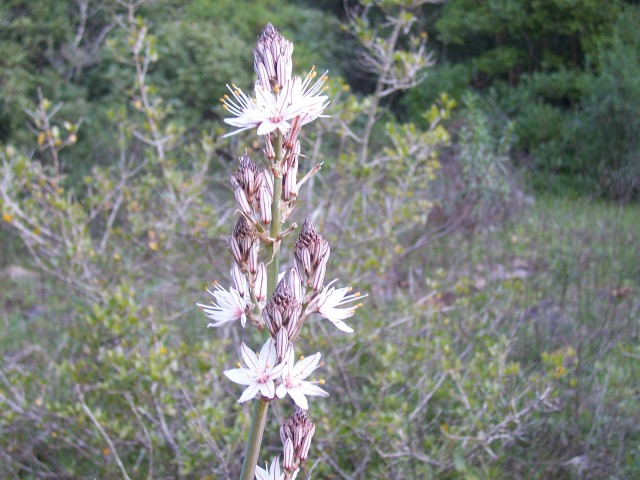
[264,201]
[244,245]
[282,312]
[269,151]
[295,284]
[267,182]
[288,457]
[253,257]
[296,434]
[311,254]
[243,201]
[292,134]
[246,183]
[282,342]
[260,285]
[272,60]
[290,174]
[239,280]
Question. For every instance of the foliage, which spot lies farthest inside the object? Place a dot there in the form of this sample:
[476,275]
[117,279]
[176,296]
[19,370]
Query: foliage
[483,158]
[516,37]
[583,295]
[120,376]
[40,48]
[482,355]
[66,49]
[439,396]
[606,135]
[442,78]
[593,148]
[544,64]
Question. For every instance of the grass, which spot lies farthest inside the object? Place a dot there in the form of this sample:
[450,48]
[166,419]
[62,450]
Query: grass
[577,264]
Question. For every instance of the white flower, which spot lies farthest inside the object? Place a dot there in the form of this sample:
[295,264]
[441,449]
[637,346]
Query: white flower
[327,301]
[273,473]
[260,373]
[308,94]
[267,112]
[293,379]
[270,111]
[229,307]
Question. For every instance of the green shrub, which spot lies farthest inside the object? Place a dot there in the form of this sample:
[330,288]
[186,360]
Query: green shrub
[607,128]
[476,185]
[445,77]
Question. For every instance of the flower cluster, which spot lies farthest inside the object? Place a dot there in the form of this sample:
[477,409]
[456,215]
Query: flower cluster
[262,371]
[275,106]
[278,304]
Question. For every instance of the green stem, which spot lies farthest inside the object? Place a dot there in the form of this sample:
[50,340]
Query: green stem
[258,421]
[259,416]
[273,249]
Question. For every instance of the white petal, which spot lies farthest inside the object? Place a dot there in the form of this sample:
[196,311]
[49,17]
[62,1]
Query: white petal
[309,388]
[289,361]
[250,392]
[235,132]
[243,122]
[305,367]
[250,358]
[268,356]
[276,371]
[262,474]
[340,325]
[264,97]
[299,398]
[275,469]
[268,389]
[239,376]
[217,324]
[228,307]
[267,127]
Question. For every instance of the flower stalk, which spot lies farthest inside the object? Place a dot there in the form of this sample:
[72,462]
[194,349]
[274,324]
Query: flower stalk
[273,249]
[260,408]
[256,431]
[276,303]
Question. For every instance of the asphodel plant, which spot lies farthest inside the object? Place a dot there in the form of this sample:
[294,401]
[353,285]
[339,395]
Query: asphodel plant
[277,303]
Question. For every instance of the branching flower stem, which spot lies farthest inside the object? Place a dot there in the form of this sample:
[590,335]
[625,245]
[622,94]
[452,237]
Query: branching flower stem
[260,408]
[372,114]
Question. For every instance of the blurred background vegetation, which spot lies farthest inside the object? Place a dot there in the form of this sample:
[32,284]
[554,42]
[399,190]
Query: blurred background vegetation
[489,208]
